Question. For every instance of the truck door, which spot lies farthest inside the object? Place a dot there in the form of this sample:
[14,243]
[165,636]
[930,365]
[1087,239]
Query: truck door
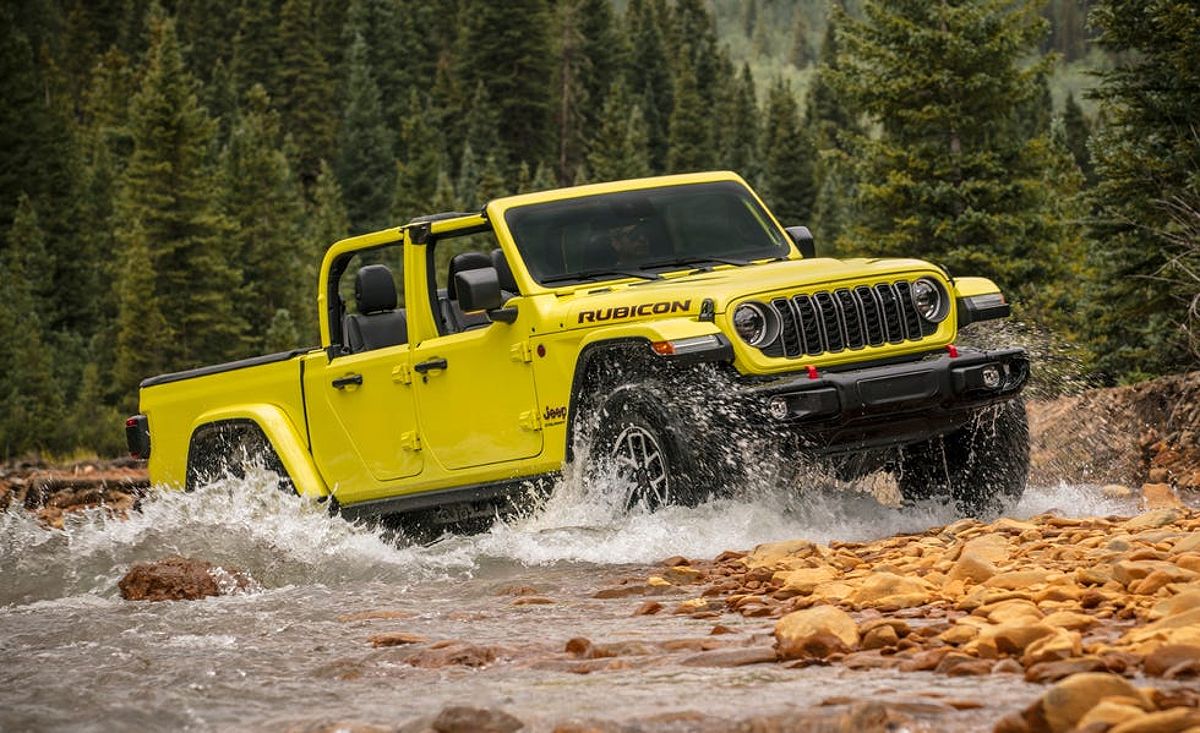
[361,409]
[473,379]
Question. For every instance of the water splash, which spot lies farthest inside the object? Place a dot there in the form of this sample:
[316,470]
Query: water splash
[278,538]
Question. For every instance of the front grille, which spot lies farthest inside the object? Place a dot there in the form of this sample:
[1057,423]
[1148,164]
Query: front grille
[830,321]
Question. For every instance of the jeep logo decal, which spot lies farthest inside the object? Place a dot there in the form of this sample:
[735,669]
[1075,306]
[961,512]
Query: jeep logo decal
[554,415]
[632,311]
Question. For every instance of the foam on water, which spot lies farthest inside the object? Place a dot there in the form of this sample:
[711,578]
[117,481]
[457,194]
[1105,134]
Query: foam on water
[282,540]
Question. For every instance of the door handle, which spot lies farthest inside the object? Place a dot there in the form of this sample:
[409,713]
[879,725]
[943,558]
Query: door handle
[346,381]
[430,365]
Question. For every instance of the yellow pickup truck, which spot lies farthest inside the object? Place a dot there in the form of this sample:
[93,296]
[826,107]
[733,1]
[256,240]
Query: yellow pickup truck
[662,330]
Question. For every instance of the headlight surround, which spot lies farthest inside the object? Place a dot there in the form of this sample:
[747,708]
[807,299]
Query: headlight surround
[756,324]
[930,300]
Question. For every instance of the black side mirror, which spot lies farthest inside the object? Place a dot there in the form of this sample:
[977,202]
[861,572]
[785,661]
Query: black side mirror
[479,290]
[804,241]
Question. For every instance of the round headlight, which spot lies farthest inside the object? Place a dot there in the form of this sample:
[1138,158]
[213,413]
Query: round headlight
[755,324]
[927,299]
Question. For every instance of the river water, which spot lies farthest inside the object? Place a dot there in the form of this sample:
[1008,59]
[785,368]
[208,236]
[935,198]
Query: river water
[74,656]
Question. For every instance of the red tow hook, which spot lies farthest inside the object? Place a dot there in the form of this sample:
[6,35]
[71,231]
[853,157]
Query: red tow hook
[953,350]
[812,372]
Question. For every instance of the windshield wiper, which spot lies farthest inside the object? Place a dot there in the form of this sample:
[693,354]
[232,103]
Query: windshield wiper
[685,261]
[593,274]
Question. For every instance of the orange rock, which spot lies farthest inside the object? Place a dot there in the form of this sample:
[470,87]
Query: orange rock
[395,638]
[1175,720]
[1159,496]
[1110,712]
[1065,704]
[815,632]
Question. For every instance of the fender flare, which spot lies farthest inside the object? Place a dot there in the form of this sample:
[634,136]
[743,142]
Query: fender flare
[287,442]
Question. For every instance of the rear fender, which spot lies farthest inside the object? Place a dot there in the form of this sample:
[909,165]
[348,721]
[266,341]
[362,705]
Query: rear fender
[288,442]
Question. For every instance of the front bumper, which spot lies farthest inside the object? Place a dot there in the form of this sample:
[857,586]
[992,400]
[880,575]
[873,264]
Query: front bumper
[887,405]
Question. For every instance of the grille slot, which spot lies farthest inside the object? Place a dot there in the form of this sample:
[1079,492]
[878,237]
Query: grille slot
[830,321]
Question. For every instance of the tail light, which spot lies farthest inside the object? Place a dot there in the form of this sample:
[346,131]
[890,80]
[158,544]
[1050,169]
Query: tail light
[137,436]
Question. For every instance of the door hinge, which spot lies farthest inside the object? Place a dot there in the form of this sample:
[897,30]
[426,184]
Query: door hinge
[530,420]
[521,352]
[410,440]
[401,374]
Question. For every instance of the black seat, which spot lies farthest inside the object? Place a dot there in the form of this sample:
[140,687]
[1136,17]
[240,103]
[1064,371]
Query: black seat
[378,323]
[454,316]
[508,282]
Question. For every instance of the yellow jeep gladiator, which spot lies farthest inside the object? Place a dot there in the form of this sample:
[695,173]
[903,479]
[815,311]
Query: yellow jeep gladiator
[664,330]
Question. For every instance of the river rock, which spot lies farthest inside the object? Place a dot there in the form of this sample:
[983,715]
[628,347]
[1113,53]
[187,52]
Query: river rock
[1175,720]
[395,638]
[1160,496]
[1065,704]
[178,578]
[1110,712]
[1174,659]
[462,719]
[815,632]
[804,580]
[888,590]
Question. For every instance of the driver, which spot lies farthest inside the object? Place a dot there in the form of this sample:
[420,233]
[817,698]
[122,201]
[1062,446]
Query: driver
[630,244]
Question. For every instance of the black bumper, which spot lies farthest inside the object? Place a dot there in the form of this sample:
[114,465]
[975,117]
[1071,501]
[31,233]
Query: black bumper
[892,404]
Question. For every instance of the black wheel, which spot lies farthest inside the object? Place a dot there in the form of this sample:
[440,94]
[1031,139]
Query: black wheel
[635,437]
[982,466]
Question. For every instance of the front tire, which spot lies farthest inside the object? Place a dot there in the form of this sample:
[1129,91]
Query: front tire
[633,437]
[982,467]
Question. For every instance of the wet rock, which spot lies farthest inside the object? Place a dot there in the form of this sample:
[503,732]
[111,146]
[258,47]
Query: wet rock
[880,637]
[962,665]
[1116,491]
[395,638]
[1173,660]
[1111,712]
[1159,496]
[462,719]
[1176,720]
[532,601]
[815,632]
[1065,704]
[649,608]
[178,578]
[1061,669]
[805,580]
[891,591]
[452,654]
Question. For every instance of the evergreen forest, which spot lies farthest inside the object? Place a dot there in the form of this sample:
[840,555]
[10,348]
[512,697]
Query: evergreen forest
[171,171]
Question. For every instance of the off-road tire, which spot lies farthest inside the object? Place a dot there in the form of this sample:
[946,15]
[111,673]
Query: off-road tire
[636,434]
[982,467]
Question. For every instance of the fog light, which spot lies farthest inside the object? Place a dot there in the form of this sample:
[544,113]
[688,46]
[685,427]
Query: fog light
[778,407]
[991,377]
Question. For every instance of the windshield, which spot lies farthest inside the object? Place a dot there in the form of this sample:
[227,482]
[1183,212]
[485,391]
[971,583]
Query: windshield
[633,233]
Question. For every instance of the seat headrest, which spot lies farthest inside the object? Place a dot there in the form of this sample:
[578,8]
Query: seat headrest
[461,263]
[374,289]
[507,281]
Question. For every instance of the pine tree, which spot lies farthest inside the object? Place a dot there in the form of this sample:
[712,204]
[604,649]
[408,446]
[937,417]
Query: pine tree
[542,180]
[950,178]
[327,223]
[391,47]
[693,41]
[507,47]
[468,177]
[257,47]
[144,335]
[604,48]
[263,201]
[826,112]
[1147,159]
[419,164]
[571,68]
[787,158]
[170,196]
[95,423]
[649,76]
[801,50]
[492,182]
[282,334]
[737,118]
[621,147]
[32,402]
[1078,132]
[690,139]
[365,165]
[207,31]
[306,95]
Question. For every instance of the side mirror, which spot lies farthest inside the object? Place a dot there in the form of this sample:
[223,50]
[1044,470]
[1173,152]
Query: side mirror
[479,290]
[804,241]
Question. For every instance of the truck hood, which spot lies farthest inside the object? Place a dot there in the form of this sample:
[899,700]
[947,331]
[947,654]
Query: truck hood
[674,295]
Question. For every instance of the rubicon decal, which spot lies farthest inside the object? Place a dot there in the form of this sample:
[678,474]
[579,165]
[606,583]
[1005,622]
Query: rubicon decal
[633,311]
